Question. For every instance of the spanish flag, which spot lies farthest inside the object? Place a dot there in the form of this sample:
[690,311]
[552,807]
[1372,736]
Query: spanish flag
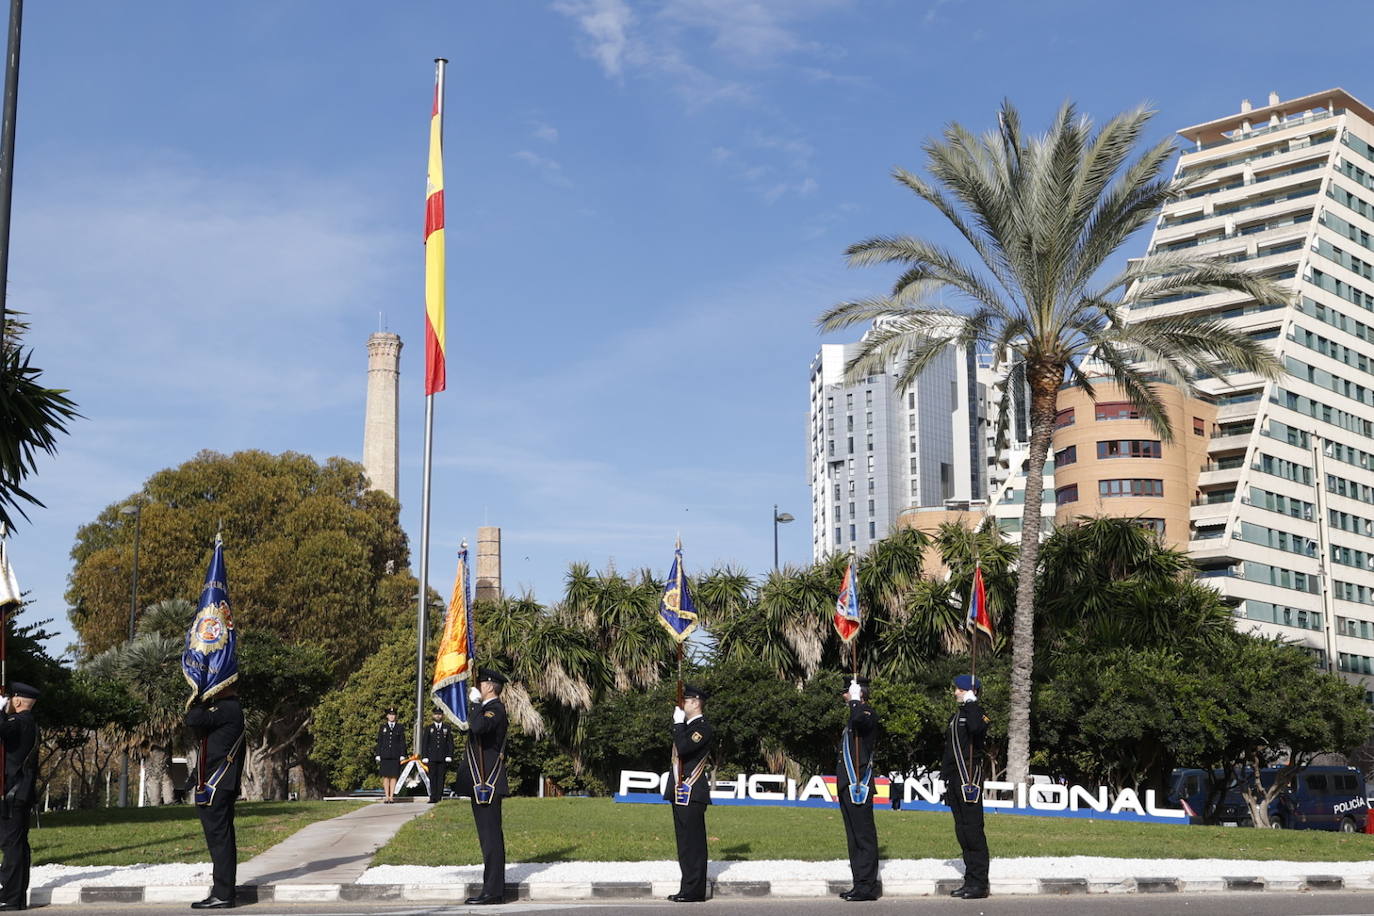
[434,243]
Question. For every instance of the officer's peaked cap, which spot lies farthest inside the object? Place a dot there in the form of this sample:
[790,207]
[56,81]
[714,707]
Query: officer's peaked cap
[490,674]
[968,682]
[23,690]
[699,693]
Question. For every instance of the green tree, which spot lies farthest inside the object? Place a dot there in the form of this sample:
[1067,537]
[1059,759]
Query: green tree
[32,416]
[1044,216]
[313,554]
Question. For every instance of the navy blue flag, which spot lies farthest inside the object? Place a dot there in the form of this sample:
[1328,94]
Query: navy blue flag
[210,661]
[676,610]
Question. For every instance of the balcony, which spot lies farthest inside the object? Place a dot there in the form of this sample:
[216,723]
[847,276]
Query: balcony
[1204,513]
[1214,475]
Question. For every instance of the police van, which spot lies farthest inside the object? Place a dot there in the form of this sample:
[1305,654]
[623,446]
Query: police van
[1318,798]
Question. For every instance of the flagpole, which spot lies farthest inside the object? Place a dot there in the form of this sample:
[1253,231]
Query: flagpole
[421,613]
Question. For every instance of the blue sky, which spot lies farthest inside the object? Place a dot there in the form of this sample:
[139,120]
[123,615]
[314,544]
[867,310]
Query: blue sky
[648,202]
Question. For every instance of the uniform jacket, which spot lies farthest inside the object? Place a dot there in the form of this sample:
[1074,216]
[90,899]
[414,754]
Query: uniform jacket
[485,754]
[391,741]
[968,728]
[220,722]
[692,741]
[437,742]
[863,727]
[19,733]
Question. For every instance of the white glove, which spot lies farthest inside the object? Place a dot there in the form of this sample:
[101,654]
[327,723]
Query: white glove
[379,760]
[424,760]
[474,695]
[679,716]
[856,693]
[448,760]
[4,703]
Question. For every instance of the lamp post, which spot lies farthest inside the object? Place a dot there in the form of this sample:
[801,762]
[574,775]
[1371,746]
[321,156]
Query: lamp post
[136,510]
[783,518]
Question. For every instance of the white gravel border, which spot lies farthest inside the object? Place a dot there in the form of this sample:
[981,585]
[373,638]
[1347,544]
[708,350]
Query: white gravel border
[1093,868]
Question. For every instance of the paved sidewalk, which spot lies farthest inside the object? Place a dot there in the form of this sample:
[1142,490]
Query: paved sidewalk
[336,851]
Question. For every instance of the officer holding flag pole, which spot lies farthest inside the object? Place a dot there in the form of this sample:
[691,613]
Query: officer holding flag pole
[962,767]
[210,666]
[854,764]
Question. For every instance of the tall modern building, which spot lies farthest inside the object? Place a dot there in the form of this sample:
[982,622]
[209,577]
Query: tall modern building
[875,452]
[1282,514]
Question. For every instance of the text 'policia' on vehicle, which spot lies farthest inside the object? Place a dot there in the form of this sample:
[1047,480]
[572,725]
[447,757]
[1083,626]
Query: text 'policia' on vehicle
[1317,798]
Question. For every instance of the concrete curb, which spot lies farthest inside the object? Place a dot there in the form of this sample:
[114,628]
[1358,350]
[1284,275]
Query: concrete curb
[631,890]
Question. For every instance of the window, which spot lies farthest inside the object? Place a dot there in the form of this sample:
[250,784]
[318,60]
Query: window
[913,443]
[872,530]
[870,484]
[851,489]
[1129,448]
[868,419]
[837,512]
[1065,495]
[838,536]
[831,448]
[849,401]
[1063,418]
[1066,456]
[851,445]
[946,481]
[1130,486]
[868,398]
[837,488]
[851,509]
[870,464]
[1117,410]
[1154,524]
[911,422]
[852,535]
[915,466]
[915,488]
[849,423]
[870,507]
[911,400]
[830,407]
[869,440]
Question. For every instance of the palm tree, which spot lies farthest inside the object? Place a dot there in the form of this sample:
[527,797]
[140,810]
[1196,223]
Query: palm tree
[1044,215]
[31,418]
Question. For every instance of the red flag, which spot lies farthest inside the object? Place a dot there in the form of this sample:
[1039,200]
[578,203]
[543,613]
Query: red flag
[847,618]
[978,617]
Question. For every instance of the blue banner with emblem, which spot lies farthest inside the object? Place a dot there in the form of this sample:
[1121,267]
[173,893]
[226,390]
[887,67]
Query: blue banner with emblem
[210,661]
[676,611]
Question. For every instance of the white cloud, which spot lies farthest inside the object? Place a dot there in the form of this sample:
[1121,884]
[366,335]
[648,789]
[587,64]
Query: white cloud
[549,170]
[772,166]
[606,24]
[546,132]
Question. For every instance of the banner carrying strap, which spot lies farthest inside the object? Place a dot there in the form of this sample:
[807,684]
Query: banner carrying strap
[859,788]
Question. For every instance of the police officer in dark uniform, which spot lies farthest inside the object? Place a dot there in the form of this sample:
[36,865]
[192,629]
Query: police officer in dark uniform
[436,753]
[19,733]
[218,724]
[391,747]
[854,785]
[484,780]
[962,772]
[689,792]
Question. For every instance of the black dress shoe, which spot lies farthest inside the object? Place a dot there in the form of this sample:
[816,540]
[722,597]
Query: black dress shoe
[860,895]
[213,903]
[11,907]
[958,892]
[679,898]
[974,893]
[484,900]
[845,895]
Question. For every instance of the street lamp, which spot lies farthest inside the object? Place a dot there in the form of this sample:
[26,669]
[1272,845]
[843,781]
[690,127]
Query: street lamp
[783,518]
[136,510]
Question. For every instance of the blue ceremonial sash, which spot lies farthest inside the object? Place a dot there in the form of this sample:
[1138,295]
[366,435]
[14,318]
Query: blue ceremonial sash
[205,794]
[858,788]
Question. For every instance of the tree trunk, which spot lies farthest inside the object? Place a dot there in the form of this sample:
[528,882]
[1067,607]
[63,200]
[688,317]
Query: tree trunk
[264,773]
[314,781]
[155,778]
[1044,381]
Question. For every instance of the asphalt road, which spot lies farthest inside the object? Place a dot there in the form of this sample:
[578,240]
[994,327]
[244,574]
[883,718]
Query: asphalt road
[1327,903]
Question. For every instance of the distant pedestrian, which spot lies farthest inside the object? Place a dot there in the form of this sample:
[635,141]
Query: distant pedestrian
[962,772]
[689,792]
[391,747]
[854,787]
[218,723]
[436,753]
[19,734]
[484,780]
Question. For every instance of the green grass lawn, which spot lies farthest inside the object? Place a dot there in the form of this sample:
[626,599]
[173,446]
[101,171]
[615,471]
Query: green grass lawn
[597,829]
[130,836]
